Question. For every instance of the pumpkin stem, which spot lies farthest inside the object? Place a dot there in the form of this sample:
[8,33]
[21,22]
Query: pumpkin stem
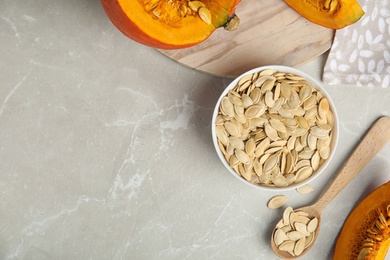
[233,23]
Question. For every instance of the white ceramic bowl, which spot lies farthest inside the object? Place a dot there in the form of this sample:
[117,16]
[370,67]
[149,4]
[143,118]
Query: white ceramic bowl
[335,131]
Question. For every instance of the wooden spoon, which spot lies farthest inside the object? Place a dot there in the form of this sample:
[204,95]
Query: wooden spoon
[370,145]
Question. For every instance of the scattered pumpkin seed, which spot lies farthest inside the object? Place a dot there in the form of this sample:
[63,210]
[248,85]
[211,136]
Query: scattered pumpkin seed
[277,202]
[305,189]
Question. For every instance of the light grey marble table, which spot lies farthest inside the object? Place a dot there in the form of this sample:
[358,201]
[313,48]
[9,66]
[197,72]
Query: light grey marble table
[106,149]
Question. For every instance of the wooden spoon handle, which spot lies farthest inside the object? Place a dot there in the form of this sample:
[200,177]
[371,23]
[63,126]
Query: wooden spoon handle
[370,145]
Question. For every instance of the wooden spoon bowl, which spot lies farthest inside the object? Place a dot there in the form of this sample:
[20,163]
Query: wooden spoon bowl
[370,145]
[312,213]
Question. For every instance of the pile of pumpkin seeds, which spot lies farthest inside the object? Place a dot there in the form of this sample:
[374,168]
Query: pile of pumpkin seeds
[274,128]
[295,231]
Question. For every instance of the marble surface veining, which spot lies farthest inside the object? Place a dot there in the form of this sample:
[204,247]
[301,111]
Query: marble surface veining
[106,148]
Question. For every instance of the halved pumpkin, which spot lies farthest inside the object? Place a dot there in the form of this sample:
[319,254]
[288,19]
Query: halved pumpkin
[366,232]
[166,24]
[334,14]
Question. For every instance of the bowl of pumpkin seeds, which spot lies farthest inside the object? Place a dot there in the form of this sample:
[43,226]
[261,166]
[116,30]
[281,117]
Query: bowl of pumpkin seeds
[275,128]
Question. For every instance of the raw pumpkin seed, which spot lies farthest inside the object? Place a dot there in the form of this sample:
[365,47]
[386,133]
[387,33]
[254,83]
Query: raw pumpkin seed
[305,189]
[277,202]
[333,5]
[205,15]
[195,5]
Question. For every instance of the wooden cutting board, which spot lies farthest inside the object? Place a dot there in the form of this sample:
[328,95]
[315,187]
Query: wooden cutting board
[270,33]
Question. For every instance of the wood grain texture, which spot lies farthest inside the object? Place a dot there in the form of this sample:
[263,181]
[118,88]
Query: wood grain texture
[270,33]
[373,141]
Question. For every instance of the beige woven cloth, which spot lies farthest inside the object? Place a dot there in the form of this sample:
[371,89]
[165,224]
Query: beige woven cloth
[360,53]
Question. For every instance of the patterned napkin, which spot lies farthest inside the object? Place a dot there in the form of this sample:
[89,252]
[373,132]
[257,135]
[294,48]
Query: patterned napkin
[360,54]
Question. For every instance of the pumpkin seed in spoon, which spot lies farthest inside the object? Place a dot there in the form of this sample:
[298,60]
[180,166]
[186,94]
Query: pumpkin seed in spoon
[290,248]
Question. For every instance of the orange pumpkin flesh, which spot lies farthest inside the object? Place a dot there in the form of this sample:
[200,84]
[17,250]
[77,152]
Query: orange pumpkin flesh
[334,14]
[157,23]
[356,238]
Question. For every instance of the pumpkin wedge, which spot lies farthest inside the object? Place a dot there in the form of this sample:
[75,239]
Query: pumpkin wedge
[334,14]
[170,24]
[366,232]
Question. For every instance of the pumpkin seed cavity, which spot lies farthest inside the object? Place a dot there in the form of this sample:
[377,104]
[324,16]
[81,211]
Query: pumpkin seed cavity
[378,233]
[172,12]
